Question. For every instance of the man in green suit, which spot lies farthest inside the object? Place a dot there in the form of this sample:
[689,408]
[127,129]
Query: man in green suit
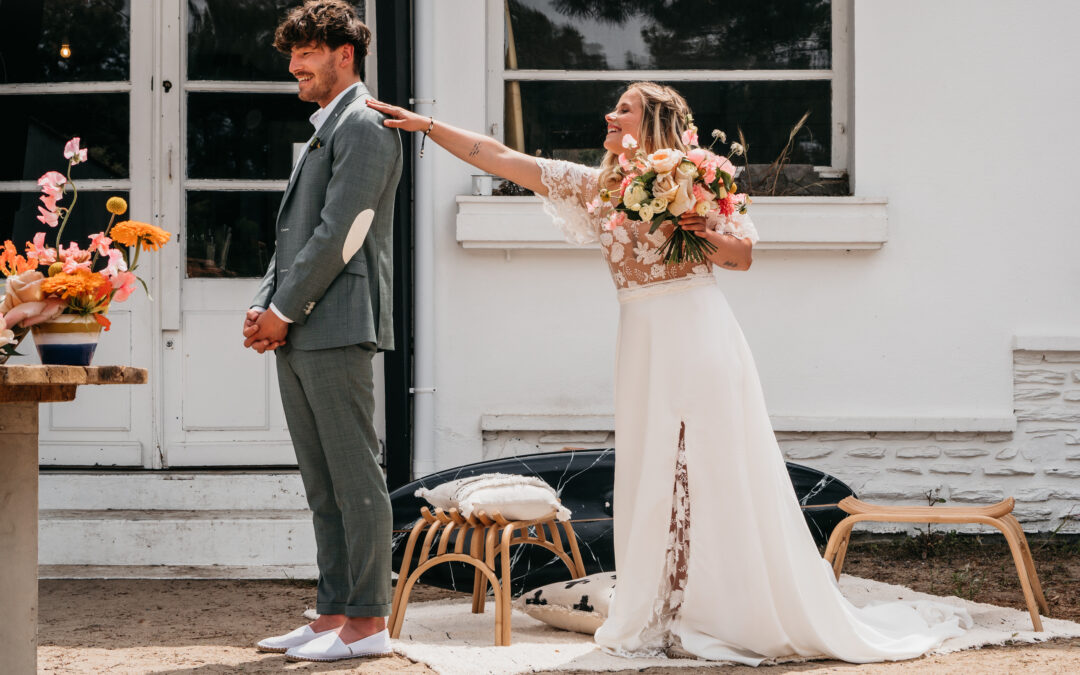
[325,308]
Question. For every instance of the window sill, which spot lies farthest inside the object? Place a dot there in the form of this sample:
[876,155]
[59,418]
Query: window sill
[785,223]
[599,422]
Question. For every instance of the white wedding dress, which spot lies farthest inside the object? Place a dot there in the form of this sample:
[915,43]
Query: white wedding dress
[712,553]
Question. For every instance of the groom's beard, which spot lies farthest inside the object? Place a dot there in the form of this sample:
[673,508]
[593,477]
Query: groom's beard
[321,86]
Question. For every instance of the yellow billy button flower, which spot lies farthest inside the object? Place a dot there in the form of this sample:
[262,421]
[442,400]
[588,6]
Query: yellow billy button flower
[56,268]
[116,206]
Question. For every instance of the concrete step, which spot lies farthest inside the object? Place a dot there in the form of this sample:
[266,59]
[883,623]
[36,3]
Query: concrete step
[192,524]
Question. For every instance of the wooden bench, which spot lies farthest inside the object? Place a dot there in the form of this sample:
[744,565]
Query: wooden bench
[489,538]
[997,515]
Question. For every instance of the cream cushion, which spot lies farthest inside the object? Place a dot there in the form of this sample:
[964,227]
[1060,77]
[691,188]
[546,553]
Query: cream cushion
[514,497]
[578,605]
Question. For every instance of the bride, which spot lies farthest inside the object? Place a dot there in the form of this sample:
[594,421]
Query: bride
[712,553]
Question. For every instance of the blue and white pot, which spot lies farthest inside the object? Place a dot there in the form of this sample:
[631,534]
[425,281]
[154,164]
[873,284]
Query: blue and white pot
[67,340]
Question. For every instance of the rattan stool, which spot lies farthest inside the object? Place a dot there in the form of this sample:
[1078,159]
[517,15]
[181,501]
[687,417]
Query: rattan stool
[997,515]
[491,537]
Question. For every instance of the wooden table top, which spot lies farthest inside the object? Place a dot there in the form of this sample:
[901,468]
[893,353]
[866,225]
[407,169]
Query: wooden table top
[21,383]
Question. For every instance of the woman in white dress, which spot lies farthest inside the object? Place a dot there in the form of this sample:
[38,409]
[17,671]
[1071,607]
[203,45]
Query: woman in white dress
[712,553]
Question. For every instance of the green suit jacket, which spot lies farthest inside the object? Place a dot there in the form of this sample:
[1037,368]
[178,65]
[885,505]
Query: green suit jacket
[353,164]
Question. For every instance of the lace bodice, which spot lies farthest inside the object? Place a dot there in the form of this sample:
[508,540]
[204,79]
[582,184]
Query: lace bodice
[631,252]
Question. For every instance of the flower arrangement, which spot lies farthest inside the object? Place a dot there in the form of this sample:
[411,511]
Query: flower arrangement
[661,186]
[44,281]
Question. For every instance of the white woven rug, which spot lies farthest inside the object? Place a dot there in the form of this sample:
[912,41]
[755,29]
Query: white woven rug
[450,639]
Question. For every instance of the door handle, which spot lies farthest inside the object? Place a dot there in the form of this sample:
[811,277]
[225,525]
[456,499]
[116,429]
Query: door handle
[166,85]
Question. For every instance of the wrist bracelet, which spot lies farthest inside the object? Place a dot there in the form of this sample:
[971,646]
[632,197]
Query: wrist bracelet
[424,139]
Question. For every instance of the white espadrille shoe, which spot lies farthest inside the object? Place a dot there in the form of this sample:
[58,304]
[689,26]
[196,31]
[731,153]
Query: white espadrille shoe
[282,643]
[331,648]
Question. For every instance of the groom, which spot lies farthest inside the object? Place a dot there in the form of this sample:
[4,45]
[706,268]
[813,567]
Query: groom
[324,307]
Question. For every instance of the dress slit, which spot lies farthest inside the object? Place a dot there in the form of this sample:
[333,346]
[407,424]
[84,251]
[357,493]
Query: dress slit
[677,553]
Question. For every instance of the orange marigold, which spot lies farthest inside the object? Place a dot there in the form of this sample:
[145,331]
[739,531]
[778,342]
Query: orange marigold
[131,232]
[81,284]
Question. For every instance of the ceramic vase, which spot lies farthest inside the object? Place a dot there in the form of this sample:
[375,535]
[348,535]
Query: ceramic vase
[67,340]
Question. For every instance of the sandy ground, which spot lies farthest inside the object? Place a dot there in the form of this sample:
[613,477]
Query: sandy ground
[184,626]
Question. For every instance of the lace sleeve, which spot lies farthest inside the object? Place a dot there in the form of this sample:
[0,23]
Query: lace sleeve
[737,224]
[570,188]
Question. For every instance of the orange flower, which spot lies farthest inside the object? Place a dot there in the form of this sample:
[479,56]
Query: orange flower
[131,232]
[81,284]
[11,263]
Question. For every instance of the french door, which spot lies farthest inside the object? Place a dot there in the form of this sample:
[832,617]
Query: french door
[191,115]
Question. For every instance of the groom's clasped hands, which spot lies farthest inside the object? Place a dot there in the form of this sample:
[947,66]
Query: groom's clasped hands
[264,330]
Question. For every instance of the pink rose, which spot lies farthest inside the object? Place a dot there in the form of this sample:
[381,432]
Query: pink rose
[665,160]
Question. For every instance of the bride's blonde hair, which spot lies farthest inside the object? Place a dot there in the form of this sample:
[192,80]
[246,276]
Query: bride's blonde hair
[664,117]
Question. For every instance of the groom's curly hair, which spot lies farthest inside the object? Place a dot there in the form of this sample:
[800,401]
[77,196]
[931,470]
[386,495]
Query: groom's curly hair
[329,22]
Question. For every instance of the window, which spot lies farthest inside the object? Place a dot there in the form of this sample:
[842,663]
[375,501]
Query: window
[556,66]
[64,72]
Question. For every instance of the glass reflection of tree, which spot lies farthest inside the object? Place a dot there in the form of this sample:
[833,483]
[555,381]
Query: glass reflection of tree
[714,34]
[547,46]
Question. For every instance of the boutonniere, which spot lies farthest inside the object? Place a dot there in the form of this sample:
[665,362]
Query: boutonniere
[315,144]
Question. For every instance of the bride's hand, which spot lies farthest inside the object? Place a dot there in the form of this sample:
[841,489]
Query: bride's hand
[400,118]
[692,222]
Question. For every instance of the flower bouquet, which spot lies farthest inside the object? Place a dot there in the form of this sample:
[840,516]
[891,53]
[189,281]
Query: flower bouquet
[661,186]
[71,285]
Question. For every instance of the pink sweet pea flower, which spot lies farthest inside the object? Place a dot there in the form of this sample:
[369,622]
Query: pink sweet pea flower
[628,141]
[52,188]
[50,218]
[99,243]
[124,285]
[37,249]
[72,264]
[116,264]
[689,137]
[73,152]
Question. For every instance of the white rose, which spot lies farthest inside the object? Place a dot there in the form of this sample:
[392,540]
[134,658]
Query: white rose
[701,208]
[634,195]
[665,186]
[684,197]
[665,160]
[646,212]
[658,205]
[7,336]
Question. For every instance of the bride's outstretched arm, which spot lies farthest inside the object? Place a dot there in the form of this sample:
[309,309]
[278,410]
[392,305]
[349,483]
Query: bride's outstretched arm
[481,151]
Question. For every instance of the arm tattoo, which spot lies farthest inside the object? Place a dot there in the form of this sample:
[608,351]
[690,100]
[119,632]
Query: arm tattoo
[729,263]
[475,149]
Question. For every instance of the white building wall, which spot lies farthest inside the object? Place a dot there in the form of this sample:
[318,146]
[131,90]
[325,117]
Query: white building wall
[964,117]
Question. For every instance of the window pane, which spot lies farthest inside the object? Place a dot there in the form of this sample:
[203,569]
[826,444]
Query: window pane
[36,127]
[230,234]
[234,39]
[690,34]
[19,223]
[32,33]
[245,135]
[766,112]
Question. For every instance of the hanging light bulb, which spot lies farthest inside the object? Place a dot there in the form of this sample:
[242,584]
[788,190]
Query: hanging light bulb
[65,51]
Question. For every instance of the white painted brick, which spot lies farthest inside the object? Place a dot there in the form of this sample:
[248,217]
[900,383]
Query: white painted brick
[1046,494]
[575,437]
[1071,439]
[918,452]
[1008,471]
[1072,396]
[1062,357]
[1007,453]
[902,435]
[869,453]
[1046,415]
[955,436]
[1027,358]
[793,435]
[843,436]
[1038,376]
[977,496]
[952,469]
[966,452]
[1032,515]
[1064,473]
[1073,456]
[905,469]
[1037,394]
[997,436]
[893,493]
[1076,376]
[807,452]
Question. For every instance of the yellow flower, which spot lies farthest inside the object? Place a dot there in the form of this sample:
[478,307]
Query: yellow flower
[131,232]
[55,268]
[116,205]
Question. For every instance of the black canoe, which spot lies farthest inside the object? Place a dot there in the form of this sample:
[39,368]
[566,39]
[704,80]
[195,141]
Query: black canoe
[584,480]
